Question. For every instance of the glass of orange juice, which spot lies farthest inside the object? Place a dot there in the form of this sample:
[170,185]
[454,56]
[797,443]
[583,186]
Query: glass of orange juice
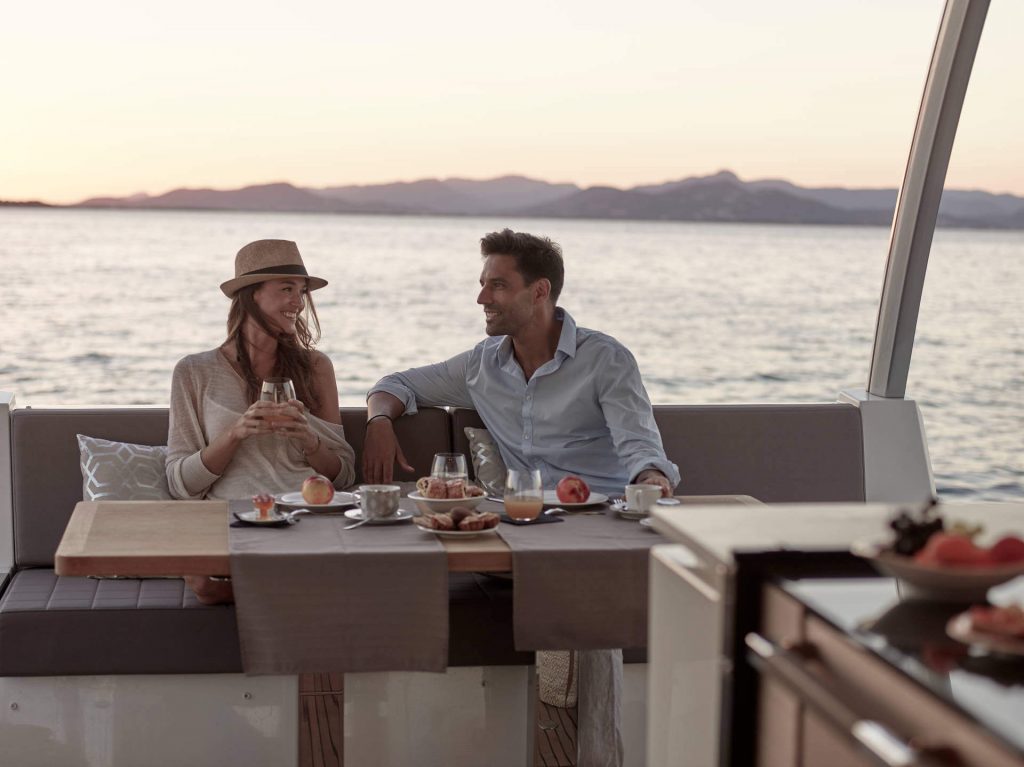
[524,493]
[278,391]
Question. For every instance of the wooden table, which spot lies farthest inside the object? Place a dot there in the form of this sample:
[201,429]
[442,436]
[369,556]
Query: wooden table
[174,538]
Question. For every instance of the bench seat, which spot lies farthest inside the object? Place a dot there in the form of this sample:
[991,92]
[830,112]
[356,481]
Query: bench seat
[52,625]
[56,626]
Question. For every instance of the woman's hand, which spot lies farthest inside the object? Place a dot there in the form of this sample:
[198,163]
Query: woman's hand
[254,421]
[294,424]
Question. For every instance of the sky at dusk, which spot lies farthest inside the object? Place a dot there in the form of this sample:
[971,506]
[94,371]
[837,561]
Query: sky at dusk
[114,98]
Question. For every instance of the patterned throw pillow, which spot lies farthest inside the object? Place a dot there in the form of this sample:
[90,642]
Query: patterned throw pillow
[118,471]
[488,467]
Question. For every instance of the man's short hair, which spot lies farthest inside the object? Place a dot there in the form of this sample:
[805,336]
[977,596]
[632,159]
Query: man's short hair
[535,257]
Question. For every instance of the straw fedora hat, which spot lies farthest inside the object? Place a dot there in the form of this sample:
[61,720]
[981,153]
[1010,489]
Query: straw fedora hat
[268,260]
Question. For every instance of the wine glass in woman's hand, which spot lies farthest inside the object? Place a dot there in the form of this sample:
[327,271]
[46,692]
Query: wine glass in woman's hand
[279,391]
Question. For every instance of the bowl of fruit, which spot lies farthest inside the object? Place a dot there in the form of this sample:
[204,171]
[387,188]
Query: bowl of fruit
[944,563]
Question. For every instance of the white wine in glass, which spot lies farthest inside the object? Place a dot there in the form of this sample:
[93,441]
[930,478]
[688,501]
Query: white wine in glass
[278,391]
[524,493]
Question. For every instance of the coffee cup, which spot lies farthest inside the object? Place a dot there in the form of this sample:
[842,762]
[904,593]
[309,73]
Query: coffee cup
[642,498]
[379,501]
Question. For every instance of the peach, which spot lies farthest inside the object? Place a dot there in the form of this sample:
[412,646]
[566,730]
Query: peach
[317,490]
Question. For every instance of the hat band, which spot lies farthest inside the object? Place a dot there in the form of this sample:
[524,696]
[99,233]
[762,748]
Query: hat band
[298,269]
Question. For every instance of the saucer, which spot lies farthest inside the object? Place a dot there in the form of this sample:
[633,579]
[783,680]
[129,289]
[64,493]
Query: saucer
[273,519]
[627,513]
[399,516]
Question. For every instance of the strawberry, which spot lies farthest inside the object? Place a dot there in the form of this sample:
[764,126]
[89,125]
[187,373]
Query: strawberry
[1007,550]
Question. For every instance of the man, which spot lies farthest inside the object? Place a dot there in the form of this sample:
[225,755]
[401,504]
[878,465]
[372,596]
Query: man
[555,397]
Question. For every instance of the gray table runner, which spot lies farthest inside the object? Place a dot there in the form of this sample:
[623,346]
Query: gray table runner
[581,585]
[314,598]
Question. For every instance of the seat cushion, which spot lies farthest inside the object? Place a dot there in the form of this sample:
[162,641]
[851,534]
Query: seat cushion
[54,625]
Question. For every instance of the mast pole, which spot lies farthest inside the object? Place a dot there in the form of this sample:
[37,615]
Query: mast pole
[917,206]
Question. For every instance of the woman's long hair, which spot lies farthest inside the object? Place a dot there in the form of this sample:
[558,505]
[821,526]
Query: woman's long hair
[294,352]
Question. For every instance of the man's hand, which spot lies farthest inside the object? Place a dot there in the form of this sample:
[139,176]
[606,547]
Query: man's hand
[655,477]
[380,452]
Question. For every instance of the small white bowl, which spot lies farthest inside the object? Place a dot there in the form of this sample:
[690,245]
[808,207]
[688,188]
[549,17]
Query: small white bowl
[441,505]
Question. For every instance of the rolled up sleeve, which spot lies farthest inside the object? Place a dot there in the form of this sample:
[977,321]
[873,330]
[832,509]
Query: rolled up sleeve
[630,418]
[442,384]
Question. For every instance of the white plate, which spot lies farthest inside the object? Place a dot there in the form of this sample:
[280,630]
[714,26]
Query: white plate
[960,628]
[252,517]
[399,516]
[949,584]
[458,533]
[340,500]
[551,499]
[439,505]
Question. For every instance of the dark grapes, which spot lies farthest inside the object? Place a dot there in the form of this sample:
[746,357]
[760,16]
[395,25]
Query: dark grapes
[913,533]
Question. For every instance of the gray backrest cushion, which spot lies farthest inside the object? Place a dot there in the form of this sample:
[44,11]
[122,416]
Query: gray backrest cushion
[776,453]
[421,436]
[47,481]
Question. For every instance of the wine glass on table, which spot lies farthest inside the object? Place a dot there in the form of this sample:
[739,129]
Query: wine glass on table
[449,466]
[278,391]
[524,493]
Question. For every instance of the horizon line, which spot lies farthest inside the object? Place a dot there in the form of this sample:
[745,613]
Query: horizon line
[671,180]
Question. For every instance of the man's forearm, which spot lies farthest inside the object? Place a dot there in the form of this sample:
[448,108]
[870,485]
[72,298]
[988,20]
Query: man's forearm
[383,404]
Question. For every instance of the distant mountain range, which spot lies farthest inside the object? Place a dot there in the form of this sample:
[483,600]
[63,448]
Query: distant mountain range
[718,197]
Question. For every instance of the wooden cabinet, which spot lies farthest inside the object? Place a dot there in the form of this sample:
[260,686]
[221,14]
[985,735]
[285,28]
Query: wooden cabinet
[825,701]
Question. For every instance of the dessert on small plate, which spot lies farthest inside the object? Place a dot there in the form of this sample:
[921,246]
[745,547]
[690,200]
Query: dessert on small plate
[459,523]
[269,519]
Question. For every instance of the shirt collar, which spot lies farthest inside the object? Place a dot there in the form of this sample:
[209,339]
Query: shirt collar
[566,342]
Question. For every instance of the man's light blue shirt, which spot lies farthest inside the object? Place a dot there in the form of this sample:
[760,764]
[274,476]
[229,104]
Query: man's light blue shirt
[584,412]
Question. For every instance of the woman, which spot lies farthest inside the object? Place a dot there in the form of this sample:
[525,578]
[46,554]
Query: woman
[220,442]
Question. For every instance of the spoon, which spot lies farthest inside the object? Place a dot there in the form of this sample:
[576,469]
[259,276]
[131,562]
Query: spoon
[560,510]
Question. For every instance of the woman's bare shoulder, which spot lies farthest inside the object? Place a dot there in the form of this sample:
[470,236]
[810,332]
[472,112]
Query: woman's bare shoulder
[322,364]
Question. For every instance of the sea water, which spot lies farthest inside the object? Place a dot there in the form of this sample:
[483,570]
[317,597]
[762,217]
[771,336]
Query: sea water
[100,304]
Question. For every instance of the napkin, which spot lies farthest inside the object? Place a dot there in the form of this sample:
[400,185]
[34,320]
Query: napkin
[541,520]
